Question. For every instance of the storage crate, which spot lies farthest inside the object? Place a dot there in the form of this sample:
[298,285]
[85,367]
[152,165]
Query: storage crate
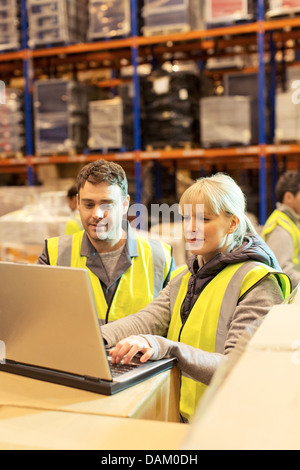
[10,25]
[166,16]
[60,116]
[227,120]
[56,21]
[60,96]
[287,127]
[104,112]
[229,12]
[105,137]
[12,123]
[108,19]
[282,8]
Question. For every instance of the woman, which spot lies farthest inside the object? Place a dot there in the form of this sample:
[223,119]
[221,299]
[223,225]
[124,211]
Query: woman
[231,280]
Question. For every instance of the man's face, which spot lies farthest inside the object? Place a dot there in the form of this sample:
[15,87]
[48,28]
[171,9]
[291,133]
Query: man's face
[101,208]
[293,201]
[296,203]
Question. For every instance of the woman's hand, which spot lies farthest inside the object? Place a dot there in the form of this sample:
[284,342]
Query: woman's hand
[127,348]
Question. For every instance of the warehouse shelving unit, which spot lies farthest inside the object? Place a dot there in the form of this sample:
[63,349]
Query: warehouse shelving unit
[258,37]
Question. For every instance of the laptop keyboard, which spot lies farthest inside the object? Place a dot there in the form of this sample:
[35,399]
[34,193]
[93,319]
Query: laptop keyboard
[120,368]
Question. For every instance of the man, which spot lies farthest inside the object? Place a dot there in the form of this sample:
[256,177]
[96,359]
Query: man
[74,223]
[282,229]
[126,271]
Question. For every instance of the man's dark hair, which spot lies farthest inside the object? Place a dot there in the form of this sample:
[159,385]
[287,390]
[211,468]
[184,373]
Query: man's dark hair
[103,171]
[288,182]
[72,191]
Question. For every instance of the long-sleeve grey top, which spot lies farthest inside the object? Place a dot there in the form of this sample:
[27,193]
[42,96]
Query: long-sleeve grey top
[153,322]
[281,243]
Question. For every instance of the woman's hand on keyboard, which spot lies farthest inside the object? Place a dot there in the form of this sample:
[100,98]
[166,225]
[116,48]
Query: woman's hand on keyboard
[127,348]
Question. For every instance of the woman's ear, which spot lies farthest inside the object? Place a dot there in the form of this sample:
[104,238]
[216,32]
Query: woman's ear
[233,224]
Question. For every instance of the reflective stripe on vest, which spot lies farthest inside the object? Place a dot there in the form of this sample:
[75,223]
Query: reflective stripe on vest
[207,325]
[138,285]
[280,218]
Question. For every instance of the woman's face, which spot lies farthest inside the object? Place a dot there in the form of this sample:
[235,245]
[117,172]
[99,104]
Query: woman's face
[206,234]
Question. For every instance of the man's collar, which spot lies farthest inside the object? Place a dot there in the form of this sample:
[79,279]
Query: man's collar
[288,211]
[87,249]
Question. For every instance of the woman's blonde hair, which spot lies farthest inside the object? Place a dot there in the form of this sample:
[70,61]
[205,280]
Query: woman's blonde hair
[220,194]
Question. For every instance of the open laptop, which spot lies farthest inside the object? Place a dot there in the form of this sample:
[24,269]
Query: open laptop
[49,330]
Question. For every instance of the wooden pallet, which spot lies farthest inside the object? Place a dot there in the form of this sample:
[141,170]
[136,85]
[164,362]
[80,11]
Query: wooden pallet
[15,155]
[283,13]
[149,31]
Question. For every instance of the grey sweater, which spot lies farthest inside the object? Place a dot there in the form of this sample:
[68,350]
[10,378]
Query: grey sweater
[282,244]
[153,321]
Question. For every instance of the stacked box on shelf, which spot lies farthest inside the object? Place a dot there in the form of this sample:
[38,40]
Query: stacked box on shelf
[170,109]
[172,16]
[227,121]
[56,22]
[10,28]
[246,84]
[287,117]
[282,8]
[292,76]
[12,127]
[108,19]
[105,124]
[220,12]
[60,116]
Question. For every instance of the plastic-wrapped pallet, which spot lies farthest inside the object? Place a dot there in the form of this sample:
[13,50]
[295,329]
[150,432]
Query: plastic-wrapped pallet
[56,22]
[287,118]
[105,124]
[12,127]
[282,8]
[292,76]
[23,232]
[60,116]
[246,84]
[107,19]
[229,11]
[10,28]
[172,16]
[227,120]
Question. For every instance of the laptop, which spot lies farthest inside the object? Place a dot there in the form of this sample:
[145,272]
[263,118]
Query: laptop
[49,330]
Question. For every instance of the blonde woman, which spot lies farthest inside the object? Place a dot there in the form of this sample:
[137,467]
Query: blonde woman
[231,280]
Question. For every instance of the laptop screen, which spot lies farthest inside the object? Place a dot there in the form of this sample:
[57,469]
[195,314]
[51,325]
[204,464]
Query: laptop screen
[48,319]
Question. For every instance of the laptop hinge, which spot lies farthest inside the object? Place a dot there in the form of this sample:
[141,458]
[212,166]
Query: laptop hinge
[95,379]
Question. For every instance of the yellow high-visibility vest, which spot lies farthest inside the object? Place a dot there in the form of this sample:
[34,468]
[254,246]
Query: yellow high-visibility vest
[212,311]
[280,218]
[138,286]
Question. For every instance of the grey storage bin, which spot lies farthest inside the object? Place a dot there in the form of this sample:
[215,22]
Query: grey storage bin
[167,16]
[109,19]
[56,22]
[287,128]
[60,116]
[105,137]
[227,120]
[105,124]
[12,124]
[10,25]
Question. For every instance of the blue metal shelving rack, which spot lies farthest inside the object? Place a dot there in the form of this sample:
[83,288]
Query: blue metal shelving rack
[27,67]
[136,103]
[262,114]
